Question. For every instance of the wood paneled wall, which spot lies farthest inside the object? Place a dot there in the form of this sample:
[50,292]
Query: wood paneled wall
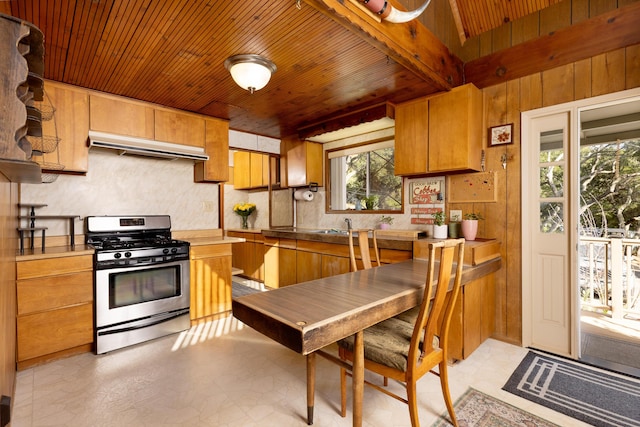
[8,248]
[503,103]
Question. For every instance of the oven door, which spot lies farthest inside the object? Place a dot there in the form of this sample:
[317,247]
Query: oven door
[132,293]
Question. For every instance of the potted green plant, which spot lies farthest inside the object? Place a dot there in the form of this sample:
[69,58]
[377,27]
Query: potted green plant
[454,226]
[470,225]
[439,227]
[370,202]
[385,222]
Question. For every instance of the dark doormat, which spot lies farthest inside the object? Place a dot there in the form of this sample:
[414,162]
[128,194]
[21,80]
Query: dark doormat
[610,349]
[580,391]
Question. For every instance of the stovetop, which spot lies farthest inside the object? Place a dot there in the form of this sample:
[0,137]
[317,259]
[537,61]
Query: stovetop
[133,240]
[108,243]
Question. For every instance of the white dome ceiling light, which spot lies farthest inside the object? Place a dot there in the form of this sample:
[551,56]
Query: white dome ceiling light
[249,71]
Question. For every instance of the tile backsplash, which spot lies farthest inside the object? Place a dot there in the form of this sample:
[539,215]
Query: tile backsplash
[126,185]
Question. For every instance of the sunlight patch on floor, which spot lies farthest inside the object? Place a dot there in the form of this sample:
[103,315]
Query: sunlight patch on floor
[624,327]
[207,331]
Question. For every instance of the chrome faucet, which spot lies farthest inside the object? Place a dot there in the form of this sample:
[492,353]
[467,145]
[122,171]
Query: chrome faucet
[348,221]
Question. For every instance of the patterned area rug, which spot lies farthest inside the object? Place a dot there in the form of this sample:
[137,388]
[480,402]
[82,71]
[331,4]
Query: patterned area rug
[476,409]
[580,391]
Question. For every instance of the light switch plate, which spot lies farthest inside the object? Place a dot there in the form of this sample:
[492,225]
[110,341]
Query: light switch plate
[455,215]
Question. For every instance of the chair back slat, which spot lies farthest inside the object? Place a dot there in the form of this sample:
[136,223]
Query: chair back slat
[429,322]
[363,244]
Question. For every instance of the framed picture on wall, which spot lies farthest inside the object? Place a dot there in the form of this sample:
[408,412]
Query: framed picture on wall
[501,135]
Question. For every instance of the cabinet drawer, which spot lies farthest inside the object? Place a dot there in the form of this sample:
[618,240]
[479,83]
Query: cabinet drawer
[479,251]
[49,293]
[54,266]
[48,332]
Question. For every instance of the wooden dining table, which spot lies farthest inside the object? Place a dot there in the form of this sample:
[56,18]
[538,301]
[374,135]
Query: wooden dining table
[311,315]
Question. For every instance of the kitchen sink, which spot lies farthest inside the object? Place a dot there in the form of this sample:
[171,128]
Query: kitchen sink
[331,231]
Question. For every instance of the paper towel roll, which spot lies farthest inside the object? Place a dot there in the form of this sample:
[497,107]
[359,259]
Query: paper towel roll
[305,195]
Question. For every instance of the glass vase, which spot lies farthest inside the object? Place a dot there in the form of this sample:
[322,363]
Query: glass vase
[245,222]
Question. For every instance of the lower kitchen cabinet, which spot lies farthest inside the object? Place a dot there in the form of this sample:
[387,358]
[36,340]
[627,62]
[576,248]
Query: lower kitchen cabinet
[290,261]
[210,282]
[55,308]
[249,255]
[279,262]
[473,319]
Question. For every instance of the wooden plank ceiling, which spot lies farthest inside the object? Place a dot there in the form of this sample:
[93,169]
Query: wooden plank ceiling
[330,60]
[474,17]
[172,53]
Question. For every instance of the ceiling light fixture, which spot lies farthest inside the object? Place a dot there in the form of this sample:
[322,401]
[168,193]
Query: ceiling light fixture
[250,72]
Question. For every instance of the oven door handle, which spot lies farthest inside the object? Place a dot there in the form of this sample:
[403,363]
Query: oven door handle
[144,323]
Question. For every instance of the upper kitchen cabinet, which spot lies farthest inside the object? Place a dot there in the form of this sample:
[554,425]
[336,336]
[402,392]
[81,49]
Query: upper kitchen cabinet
[179,128]
[304,162]
[440,134]
[70,124]
[216,145]
[121,116]
[250,170]
[411,152]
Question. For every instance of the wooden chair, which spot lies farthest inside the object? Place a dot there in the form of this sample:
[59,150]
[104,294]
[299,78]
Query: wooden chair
[363,244]
[412,343]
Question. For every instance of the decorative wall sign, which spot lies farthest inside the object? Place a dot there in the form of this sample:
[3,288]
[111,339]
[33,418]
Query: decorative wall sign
[501,135]
[426,191]
[426,211]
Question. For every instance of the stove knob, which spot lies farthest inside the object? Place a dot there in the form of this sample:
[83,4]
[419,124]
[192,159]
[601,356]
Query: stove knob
[174,250]
[117,255]
[165,251]
[127,254]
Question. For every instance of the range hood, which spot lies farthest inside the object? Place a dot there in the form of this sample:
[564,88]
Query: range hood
[145,147]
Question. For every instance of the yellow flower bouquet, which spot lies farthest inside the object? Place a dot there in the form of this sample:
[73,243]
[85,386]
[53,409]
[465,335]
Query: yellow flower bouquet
[244,210]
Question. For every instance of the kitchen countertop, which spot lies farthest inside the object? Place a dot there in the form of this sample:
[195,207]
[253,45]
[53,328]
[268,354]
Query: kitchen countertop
[385,240]
[55,252]
[194,237]
[202,241]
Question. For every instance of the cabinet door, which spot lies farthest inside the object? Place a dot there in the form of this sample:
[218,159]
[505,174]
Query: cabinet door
[455,130]
[179,128]
[287,266]
[308,266]
[279,263]
[411,154]
[41,294]
[70,124]
[266,167]
[334,265]
[304,163]
[216,145]
[121,116]
[241,170]
[255,170]
[210,285]
[243,257]
[257,268]
[52,331]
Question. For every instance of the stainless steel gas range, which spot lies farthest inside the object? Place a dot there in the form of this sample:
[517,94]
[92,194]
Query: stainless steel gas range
[141,280]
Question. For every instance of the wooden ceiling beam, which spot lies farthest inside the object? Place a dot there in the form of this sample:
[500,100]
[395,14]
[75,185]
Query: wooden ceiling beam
[606,32]
[347,120]
[411,44]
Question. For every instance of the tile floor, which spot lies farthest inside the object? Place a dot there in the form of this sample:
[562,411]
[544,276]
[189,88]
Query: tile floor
[225,374]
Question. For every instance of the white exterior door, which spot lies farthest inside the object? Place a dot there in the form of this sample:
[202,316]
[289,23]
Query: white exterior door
[547,297]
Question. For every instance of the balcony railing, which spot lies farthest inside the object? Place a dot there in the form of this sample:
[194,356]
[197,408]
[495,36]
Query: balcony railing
[610,275]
